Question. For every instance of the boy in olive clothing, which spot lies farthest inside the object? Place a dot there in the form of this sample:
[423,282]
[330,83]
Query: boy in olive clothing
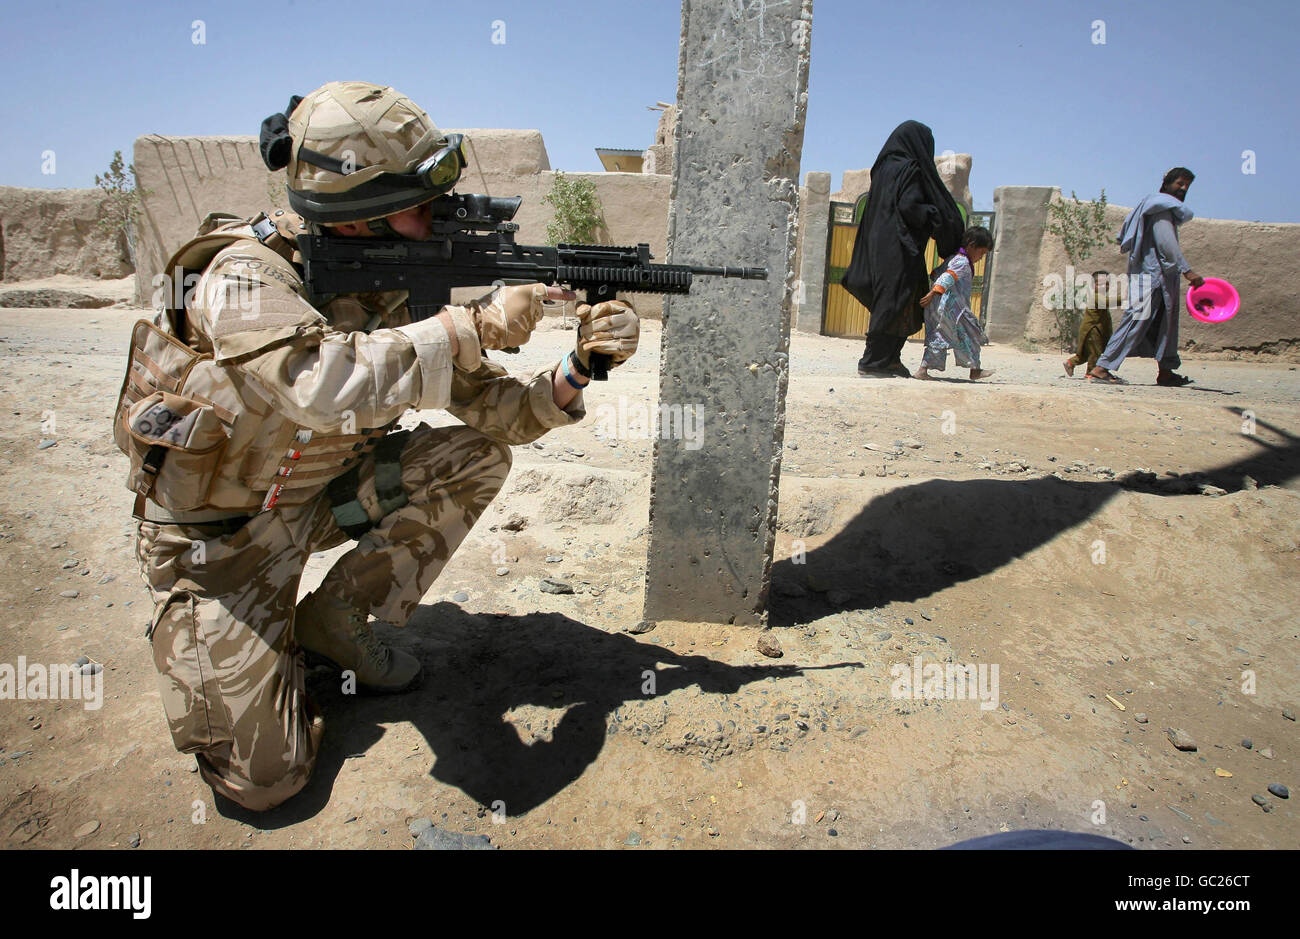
[1094,331]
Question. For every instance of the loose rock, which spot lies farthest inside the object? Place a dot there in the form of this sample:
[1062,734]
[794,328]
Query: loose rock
[551,585]
[769,646]
[435,839]
[1181,739]
[816,584]
[1279,790]
[87,829]
[645,626]
[1141,718]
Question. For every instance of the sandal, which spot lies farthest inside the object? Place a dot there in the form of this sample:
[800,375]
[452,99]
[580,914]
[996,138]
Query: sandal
[1107,379]
[880,373]
[1172,380]
[1069,367]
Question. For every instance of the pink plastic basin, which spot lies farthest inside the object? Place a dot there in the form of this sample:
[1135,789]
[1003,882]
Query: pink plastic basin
[1218,301]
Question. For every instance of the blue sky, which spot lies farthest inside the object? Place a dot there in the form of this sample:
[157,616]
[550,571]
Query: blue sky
[1020,84]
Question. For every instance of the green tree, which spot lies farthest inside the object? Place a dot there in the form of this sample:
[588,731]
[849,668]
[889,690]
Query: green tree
[578,213]
[121,202]
[1082,228]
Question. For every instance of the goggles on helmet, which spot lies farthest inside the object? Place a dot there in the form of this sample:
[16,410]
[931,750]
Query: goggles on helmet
[443,169]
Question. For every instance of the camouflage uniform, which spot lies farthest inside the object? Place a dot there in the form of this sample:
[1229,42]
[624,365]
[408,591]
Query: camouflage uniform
[224,600]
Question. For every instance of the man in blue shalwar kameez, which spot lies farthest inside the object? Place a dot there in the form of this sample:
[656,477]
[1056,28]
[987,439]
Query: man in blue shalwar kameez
[1150,323]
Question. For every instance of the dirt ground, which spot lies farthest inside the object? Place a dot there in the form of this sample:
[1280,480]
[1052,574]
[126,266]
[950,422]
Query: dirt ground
[1049,527]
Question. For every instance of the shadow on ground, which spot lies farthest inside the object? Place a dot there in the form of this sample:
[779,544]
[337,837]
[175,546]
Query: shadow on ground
[917,540]
[477,667]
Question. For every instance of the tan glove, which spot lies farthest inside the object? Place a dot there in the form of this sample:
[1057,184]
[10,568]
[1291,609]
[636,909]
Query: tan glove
[611,328]
[510,316]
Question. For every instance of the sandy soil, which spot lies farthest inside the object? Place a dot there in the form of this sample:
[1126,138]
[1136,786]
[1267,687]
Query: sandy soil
[952,521]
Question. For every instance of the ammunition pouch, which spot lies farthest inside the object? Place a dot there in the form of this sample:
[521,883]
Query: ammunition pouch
[175,441]
[349,514]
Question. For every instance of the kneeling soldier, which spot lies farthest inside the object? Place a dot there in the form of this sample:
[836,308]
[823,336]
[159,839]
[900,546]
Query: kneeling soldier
[261,430]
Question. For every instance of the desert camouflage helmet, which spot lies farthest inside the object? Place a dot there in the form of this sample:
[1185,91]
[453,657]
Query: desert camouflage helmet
[363,151]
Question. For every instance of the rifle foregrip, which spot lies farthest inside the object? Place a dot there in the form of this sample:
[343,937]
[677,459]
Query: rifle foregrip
[599,366]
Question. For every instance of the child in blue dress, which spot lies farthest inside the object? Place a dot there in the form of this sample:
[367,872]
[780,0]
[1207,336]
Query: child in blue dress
[949,321]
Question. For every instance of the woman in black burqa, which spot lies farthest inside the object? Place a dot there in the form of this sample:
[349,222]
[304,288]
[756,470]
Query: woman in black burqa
[907,205]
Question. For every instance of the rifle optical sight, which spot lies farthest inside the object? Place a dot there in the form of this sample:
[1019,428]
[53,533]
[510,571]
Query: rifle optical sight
[475,209]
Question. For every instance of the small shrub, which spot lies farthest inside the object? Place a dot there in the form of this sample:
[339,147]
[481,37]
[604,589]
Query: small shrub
[121,202]
[1082,228]
[578,213]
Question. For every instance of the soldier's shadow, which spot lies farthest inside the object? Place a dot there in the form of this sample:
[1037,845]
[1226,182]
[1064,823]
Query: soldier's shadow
[567,677]
[564,677]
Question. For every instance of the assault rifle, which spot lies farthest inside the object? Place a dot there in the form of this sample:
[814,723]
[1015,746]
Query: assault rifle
[473,245]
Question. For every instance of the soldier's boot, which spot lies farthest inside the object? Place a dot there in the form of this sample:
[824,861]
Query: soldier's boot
[339,633]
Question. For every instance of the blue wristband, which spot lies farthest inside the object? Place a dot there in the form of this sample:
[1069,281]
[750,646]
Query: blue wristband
[564,368]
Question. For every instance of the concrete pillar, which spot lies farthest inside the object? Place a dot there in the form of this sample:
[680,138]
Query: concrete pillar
[1014,287]
[815,208]
[742,89]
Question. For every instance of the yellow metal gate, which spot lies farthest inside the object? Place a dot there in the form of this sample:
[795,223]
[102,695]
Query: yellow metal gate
[845,316]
